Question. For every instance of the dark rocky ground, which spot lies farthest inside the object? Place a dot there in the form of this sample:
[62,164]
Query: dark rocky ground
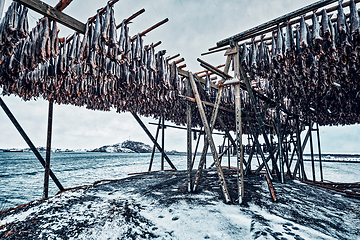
[157,205]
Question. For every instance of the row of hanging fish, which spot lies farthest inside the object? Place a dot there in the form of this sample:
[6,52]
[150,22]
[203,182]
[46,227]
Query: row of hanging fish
[99,70]
[312,70]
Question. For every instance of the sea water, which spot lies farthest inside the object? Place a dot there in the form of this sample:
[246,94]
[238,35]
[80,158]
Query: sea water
[22,175]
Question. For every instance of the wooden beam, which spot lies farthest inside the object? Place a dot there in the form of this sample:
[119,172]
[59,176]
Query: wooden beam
[102,10]
[188,137]
[274,22]
[62,4]
[131,17]
[210,140]
[154,148]
[239,147]
[53,14]
[48,149]
[150,28]
[189,99]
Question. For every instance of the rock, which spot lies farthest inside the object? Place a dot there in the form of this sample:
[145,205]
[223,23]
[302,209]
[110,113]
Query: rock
[137,147]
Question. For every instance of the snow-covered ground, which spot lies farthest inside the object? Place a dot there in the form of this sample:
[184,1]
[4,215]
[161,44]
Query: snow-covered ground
[157,206]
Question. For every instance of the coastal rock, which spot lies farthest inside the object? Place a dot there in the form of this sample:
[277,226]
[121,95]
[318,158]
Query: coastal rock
[125,147]
[137,147]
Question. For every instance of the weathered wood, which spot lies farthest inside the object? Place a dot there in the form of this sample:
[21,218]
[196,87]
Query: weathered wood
[154,148]
[48,150]
[151,28]
[271,188]
[312,152]
[130,18]
[102,10]
[179,60]
[189,99]
[189,140]
[62,4]
[153,139]
[319,148]
[172,57]
[213,69]
[28,141]
[257,113]
[215,51]
[280,146]
[206,142]
[53,14]
[195,151]
[162,142]
[184,128]
[274,22]
[238,126]
[206,71]
[210,140]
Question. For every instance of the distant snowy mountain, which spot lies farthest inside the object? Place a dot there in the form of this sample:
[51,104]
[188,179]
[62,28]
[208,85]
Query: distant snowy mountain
[125,147]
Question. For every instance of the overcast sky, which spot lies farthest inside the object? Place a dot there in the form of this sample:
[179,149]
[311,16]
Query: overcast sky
[193,27]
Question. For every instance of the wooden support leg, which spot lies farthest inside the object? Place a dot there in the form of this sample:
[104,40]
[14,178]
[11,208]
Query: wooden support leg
[48,150]
[206,143]
[162,142]
[280,150]
[154,148]
[239,149]
[257,115]
[28,141]
[153,139]
[189,140]
[228,153]
[312,152]
[196,148]
[210,139]
[320,163]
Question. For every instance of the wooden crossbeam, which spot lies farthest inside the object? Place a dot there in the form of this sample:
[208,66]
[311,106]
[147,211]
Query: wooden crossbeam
[274,22]
[210,140]
[54,14]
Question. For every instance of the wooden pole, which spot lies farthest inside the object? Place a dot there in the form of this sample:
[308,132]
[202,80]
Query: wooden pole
[318,137]
[195,151]
[54,14]
[274,22]
[153,139]
[48,150]
[239,148]
[154,148]
[162,142]
[210,139]
[28,141]
[202,163]
[189,140]
[279,132]
[228,152]
[312,152]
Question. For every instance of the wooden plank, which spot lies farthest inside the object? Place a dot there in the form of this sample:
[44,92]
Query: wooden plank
[152,139]
[239,148]
[102,10]
[131,17]
[48,149]
[189,99]
[319,148]
[274,22]
[151,28]
[28,141]
[62,4]
[210,140]
[206,142]
[271,188]
[53,14]
[189,140]
[154,148]
[162,141]
[213,69]
[215,51]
